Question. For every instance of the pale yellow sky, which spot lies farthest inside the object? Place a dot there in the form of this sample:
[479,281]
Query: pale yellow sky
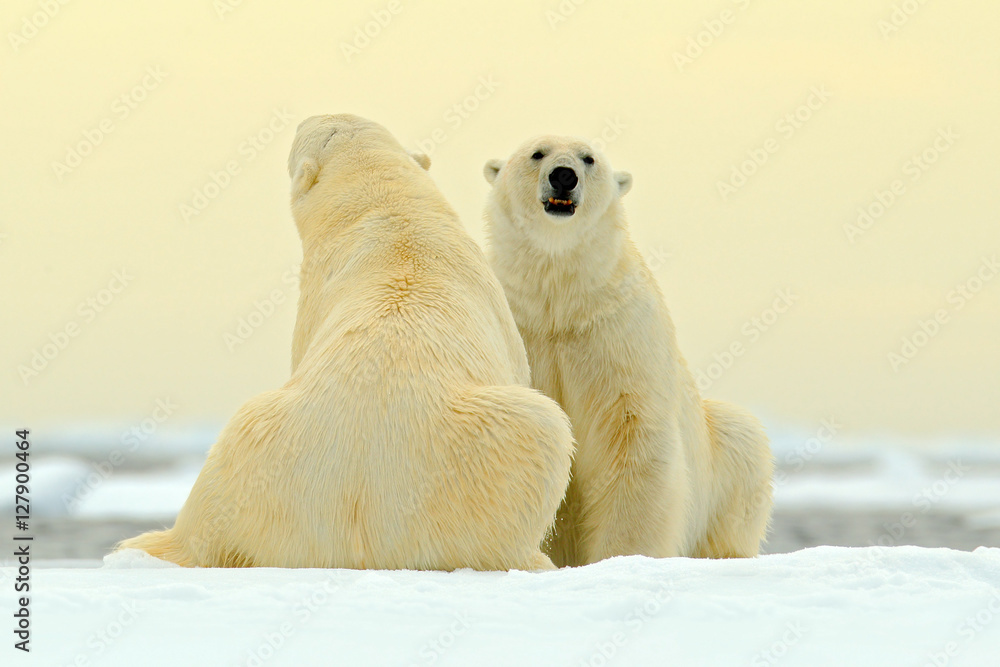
[175,223]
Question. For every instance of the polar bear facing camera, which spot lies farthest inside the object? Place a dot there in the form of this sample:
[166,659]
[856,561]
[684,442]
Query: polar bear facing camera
[658,471]
[407,435]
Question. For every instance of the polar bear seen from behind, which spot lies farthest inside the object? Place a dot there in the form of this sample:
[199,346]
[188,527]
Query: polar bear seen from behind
[407,435]
[658,471]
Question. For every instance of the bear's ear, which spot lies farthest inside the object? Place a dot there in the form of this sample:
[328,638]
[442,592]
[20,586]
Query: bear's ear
[624,181]
[422,159]
[304,177]
[492,169]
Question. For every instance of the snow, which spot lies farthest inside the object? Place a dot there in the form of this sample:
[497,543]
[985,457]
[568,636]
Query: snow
[50,478]
[141,495]
[876,493]
[145,442]
[822,606]
[985,519]
[64,486]
[886,473]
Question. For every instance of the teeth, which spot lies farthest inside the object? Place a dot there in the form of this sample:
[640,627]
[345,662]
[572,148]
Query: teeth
[561,202]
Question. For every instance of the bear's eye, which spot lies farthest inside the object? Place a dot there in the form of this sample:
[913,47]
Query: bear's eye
[537,155]
[588,159]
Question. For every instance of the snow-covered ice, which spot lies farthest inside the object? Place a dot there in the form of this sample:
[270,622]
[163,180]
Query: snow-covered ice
[821,606]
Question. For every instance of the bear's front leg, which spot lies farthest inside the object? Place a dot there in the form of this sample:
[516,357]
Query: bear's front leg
[633,488]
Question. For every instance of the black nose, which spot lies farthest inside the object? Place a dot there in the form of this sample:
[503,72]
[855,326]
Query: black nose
[563,179]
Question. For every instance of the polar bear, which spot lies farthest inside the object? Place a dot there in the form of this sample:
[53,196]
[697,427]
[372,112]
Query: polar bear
[658,471]
[407,436]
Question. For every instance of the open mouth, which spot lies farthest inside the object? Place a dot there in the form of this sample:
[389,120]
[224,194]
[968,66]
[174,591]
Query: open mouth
[560,206]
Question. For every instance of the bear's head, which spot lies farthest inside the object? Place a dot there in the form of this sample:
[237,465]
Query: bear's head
[332,154]
[554,189]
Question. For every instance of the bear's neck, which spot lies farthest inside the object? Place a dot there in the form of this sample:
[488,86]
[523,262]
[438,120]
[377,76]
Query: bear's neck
[559,290]
[326,227]
[589,261]
[340,232]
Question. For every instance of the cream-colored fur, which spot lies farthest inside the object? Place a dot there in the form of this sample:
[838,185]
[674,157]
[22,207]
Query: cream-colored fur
[658,471]
[407,435]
